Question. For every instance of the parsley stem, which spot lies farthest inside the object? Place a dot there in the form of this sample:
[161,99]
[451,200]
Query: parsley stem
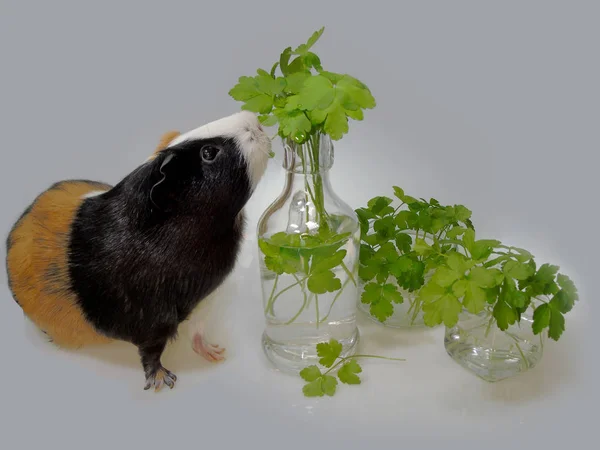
[346,358]
[272,302]
[520,350]
[416,305]
[301,308]
[452,241]
[317,308]
[335,299]
[489,326]
[272,293]
[350,276]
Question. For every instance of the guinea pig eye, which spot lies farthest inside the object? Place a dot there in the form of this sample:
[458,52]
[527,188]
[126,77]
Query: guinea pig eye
[209,153]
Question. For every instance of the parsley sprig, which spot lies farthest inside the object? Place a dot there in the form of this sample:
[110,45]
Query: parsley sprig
[312,259]
[392,242]
[466,273]
[303,98]
[320,383]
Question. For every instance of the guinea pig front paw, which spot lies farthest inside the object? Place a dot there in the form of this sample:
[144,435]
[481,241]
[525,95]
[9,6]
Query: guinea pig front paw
[208,351]
[159,377]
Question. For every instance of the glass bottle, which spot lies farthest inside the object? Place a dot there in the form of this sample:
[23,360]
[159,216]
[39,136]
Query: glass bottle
[492,354]
[308,251]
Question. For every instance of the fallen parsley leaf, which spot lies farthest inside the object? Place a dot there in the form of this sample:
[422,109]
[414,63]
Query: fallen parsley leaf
[348,372]
[328,352]
[310,373]
[320,383]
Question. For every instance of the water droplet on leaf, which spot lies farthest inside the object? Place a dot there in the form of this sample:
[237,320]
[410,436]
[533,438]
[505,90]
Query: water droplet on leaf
[299,137]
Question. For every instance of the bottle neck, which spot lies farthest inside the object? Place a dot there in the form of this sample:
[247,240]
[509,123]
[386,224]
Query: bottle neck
[308,165]
[315,156]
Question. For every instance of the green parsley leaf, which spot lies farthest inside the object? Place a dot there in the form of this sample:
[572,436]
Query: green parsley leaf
[421,247]
[446,310]
[348,372]
[568,286]
[268,120]
[557,325]
[322,282]
[458,262]
[565,299]
[314,388]
[364,215]
[398,192]
[406,219]
[462,213]
[385,228]
[548,316]
[327,262]
[310,373]
[366,253]
[328,352]
[485,278]
[262,104]
[517,270]
[331,103]
[293,123]
[381,297]
[522,254]
[504,314]
[483,248]
[445,277]
[403,242]
[454,232]
[368,271]
[303,49]
[317,92]
[542,282]
[469,239]
[474,298]
[295,83]
[381,310]
[541,318]
[409,272]
[561,302]
[279,260]
[379,205]
[329,385]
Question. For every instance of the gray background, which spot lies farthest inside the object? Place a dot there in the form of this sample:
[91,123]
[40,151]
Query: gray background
[489,104]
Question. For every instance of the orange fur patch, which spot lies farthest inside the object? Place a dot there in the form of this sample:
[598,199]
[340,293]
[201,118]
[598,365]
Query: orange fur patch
[37,265]
[165,140]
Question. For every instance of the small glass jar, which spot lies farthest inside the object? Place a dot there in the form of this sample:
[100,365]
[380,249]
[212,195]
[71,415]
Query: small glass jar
[490,353]
[308,252]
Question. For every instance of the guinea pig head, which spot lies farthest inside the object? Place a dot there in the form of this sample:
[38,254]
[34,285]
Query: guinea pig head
[213,169]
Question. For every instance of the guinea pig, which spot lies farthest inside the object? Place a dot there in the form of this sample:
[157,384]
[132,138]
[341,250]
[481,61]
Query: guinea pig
[91,263]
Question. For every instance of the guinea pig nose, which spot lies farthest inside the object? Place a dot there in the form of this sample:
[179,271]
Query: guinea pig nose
[260,127]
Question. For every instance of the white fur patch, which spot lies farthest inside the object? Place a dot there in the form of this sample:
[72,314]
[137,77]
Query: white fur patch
[93,194]
[244,127]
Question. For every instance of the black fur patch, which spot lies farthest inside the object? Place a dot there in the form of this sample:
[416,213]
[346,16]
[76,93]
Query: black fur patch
[139,265]
[10,239]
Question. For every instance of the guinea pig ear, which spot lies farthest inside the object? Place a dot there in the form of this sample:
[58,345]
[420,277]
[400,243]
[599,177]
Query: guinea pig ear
[160,194]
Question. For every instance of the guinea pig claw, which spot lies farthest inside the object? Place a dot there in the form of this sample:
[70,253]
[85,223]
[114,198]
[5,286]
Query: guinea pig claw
[159,378]
[208,351]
